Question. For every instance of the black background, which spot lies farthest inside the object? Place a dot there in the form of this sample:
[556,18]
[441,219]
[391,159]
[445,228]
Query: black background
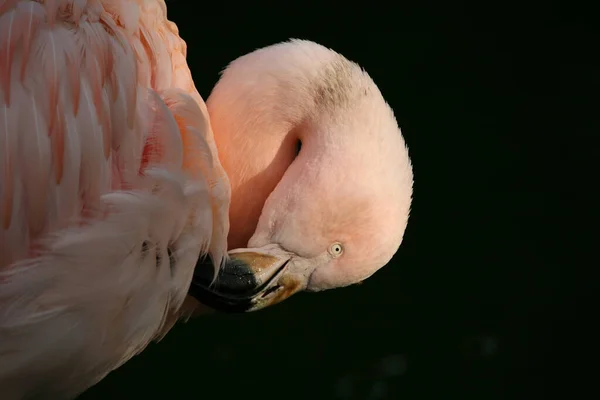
[490,295]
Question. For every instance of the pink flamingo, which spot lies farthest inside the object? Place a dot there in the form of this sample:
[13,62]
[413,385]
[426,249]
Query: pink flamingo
[112,189]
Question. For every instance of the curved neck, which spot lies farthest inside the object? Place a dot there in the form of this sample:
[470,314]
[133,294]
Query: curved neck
[263,105]
[255,150]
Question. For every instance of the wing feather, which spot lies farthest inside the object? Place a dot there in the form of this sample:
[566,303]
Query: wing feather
[106,160]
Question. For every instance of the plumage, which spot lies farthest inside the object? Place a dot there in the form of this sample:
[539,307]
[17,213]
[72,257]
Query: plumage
[103,213]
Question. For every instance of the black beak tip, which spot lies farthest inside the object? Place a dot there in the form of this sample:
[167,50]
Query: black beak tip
[218,302]
[231,291]
[234,278]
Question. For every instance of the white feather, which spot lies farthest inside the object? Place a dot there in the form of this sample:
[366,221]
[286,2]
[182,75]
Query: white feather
[102,298]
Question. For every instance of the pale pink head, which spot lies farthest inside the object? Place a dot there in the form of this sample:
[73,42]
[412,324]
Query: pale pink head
[320,175]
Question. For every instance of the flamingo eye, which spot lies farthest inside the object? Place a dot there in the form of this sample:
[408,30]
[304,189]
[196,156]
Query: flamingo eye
[336,250]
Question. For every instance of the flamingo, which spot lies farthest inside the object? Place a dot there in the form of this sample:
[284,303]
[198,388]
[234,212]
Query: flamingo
[121,191]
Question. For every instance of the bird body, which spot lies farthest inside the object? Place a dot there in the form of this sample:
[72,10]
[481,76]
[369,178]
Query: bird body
[114,189]
[110,188]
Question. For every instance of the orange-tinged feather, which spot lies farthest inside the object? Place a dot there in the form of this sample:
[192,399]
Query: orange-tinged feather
[51,11]
[7,5]
[106,136]
[8,27]
[7,200]
[75,80]
[77,10]
[109,61]
[52,79]
[58,145]
[6,162]
[32,16]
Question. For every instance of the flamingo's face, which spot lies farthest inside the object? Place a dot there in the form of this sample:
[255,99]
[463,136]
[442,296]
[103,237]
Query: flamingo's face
[337,208]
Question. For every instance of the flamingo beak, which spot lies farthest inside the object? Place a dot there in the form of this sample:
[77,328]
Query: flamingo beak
[251,279]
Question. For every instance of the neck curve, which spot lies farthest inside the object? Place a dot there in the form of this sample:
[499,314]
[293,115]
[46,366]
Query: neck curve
[264,105]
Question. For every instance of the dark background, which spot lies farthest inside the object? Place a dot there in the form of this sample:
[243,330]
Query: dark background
[490,294]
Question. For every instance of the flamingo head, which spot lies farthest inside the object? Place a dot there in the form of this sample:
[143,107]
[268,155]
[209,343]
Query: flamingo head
[320,176]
